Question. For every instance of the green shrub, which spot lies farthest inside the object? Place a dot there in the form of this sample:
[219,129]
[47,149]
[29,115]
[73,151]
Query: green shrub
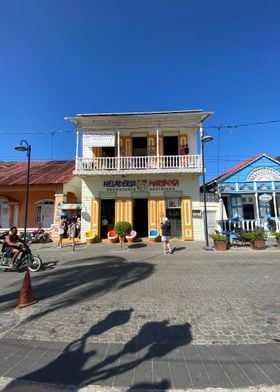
[122,228]
[254,235]
[276,234]
[218,237]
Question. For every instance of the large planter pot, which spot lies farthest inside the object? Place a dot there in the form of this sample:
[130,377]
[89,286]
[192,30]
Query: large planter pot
[154,239]
[278,242]
[258,244]
[221,245]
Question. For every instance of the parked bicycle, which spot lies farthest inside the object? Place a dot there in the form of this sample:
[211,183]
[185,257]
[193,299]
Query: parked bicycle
[26,260]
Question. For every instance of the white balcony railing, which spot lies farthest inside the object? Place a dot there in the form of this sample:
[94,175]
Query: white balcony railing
[109,165]
[249,224]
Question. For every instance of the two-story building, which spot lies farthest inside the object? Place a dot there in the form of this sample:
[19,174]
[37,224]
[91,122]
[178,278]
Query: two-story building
[140,167]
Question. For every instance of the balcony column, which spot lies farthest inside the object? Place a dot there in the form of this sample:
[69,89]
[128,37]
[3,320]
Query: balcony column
[77,149]
[275,206]
[157,141]
[257,202]
[119,147]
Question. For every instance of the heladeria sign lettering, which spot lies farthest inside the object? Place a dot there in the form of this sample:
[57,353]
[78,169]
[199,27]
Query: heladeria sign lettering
[140,185]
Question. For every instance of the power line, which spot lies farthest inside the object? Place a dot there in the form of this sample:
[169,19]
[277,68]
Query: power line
[32,132]
[242,125]
[52,132]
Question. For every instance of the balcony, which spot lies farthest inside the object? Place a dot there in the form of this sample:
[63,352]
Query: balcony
[139,164]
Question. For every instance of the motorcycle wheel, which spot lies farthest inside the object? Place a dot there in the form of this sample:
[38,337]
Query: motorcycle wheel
[35,263]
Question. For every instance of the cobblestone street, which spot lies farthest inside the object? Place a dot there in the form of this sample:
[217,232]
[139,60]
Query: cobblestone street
[138,296]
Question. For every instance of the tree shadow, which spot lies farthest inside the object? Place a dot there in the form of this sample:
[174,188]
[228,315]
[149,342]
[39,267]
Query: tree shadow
[137,245]
[178,248]
[162,385]
[80,363]
[73,284]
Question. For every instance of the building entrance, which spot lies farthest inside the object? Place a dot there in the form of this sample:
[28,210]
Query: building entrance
[140,217]
[174,216]
[170,145]
[107,216]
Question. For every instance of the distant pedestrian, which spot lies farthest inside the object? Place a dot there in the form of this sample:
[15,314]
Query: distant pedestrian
[61,228]
[104,227]
[165,236]
[72,232]
[187,149]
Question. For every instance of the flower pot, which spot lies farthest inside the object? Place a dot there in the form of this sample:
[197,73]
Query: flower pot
[278,242]
[122,239]
[221,245]
[258,244]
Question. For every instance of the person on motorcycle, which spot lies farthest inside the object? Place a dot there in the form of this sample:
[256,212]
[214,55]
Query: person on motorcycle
[13,245]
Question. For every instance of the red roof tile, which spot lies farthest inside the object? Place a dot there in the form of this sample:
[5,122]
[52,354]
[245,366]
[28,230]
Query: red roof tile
[42,172]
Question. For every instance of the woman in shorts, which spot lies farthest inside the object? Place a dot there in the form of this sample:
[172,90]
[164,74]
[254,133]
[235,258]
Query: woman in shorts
[165,235]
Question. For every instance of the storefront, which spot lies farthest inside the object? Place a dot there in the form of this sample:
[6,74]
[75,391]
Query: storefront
[143,201]
[250,193]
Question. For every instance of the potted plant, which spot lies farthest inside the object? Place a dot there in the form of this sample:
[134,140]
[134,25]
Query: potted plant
[276,234]
[256,239]
[122,229]
[220,241]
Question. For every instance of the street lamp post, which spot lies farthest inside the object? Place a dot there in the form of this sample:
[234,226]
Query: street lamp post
[25,146]
[205,139]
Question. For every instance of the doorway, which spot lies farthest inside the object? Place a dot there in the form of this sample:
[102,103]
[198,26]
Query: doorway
[139,146]
[170,145]
[107,220]
[140,217]
[174,216]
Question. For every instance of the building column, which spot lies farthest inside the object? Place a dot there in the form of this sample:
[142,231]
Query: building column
[118,148]
[275,206]
[77,149]
[59,199]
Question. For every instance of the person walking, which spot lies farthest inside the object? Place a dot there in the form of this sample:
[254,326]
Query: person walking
[60,234]
[165,236]
[72,232]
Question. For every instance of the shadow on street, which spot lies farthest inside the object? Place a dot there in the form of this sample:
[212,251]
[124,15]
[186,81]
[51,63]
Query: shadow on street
[80,364]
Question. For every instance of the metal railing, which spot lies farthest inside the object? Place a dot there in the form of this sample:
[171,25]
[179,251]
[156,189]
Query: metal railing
[138,162]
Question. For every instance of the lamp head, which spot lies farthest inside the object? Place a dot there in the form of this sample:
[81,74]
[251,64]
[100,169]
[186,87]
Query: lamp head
[20,147]
[23,146]
[206,138]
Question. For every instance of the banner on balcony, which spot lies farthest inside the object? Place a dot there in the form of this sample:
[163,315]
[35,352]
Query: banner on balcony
[99,139]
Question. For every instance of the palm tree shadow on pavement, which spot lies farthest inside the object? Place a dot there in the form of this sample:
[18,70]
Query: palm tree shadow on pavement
[80,363]
[68,286]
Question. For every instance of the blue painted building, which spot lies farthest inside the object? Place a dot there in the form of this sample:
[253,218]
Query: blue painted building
[251,192]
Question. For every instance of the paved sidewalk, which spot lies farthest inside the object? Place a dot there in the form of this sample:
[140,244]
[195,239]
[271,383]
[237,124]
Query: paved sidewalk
[138,319]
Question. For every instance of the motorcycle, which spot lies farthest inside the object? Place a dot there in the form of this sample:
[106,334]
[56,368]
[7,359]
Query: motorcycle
[3,236]
[36,236]
[26,260]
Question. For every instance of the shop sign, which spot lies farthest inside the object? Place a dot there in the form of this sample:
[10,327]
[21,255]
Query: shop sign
[265,198]
[196,213]
[140,185]
[173,203]
[67,206]
[99,139]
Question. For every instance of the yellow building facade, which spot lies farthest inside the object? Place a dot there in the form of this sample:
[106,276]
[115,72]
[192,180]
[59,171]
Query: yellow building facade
[140,168]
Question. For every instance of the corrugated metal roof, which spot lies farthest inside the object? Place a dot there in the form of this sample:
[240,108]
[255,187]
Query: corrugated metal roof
[41,172]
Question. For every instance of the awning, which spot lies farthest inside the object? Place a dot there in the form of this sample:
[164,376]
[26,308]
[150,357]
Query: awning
[68,206]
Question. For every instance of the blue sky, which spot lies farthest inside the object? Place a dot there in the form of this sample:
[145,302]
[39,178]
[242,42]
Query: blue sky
[63,57]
